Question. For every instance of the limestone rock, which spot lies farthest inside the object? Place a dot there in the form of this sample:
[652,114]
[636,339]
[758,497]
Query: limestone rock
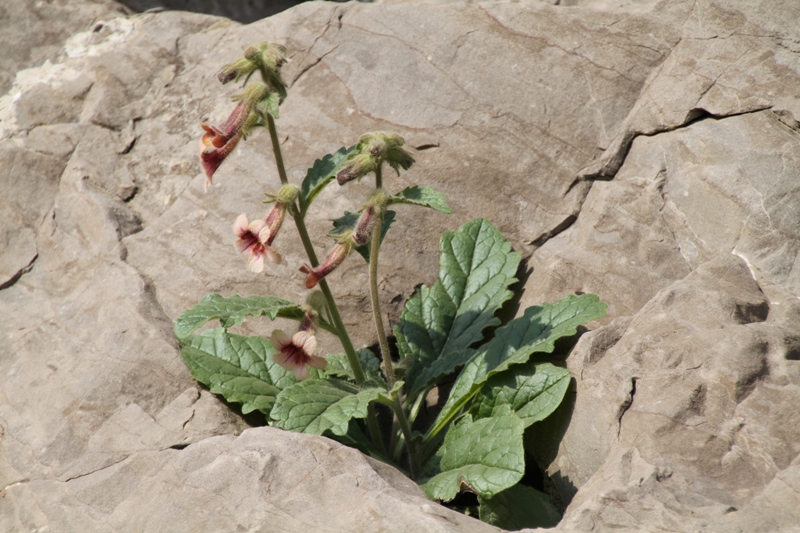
[643,151]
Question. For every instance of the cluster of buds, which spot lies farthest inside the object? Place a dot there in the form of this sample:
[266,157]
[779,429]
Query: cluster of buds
[358,236]
[296,353]
[267,58]
[254,239]
[254,103]
[372,150]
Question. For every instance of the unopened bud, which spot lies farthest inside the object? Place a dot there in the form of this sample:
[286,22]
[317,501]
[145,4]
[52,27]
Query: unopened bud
[316,301]
[356,168]
[253,94]
[287,194]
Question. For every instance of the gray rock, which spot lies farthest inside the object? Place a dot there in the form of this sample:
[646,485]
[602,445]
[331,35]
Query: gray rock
[34,32]
[644,152]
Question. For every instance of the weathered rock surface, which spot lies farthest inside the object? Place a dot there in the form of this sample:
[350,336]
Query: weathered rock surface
[644,152]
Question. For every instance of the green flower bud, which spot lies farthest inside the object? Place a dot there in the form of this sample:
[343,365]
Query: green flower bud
[287,194]
[356,168]
[316,301]
[371,151]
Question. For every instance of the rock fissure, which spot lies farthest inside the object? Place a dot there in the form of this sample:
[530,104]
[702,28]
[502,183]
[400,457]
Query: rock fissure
[79,476]
[18,275]
[338,14]
[626,405]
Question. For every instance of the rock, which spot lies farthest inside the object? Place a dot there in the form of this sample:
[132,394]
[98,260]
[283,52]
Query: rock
[263,480]
[34,32]
[644,152]
[244,11]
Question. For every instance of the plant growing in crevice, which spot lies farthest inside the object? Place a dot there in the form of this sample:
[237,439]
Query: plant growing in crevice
[500,386]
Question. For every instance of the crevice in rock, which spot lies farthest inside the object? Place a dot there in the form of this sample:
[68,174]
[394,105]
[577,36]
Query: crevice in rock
[338,15]
[15,278]
[617,159]
[78,476]
[12,485]
[561,227]
[626,405]
[312,64]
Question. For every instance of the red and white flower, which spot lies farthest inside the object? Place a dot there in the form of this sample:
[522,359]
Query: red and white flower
[297,353]
[254,239]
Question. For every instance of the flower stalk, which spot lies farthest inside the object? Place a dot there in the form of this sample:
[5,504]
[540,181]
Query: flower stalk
[333,310]
[380,197]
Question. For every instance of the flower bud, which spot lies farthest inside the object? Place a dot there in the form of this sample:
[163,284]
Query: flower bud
[365,225]
[372,150]
[338,254]
[356,168]
[266,57]
[287,194]
[316,301]
[241,68]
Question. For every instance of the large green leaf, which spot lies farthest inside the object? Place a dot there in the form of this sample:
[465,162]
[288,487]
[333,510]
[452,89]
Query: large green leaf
[239,368]
[518,508]
[232,310]
[321,174]
[439,324]
[348,222]
[535,331]
[318,405]
[339,366]
[423,196]
[533,390]
[486,455]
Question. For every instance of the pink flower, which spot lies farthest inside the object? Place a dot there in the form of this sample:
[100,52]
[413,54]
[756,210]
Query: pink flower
[297,353]
[218,143]
[274,220]
[254,239]
[365,225]
[334,259]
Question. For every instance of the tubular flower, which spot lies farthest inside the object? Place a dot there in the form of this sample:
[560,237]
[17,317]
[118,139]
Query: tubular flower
[338,254]
[217,143]
[254,240]
[297,353]
[365,225]
[212,157]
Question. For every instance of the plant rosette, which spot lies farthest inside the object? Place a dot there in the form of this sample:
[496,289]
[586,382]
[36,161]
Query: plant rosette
[499,377]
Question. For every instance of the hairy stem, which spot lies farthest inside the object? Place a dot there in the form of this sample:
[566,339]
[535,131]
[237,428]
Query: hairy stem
[388,367]
[405,427]
[376,306]
[333,310]
[276,149]
[373,289]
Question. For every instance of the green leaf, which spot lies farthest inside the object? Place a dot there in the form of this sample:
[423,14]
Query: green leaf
[518,508]
[439,324]
[347,222]
[339,366]
[318,405]
[232,310]
[321,174]
[485,455]
[535,331]
[272,105]
[533,390]
[239,368]
[424,196]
